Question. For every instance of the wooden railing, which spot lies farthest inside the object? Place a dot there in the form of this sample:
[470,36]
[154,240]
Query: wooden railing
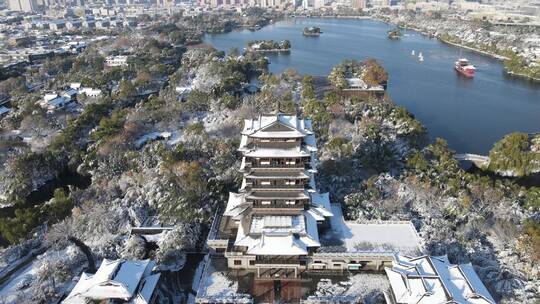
[278,186]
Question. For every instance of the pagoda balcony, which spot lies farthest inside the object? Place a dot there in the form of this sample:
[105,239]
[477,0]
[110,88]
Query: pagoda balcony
[279,206]
[276,187]
[278,261]
[275,165]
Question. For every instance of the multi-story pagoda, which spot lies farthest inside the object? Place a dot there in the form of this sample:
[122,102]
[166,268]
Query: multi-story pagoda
[272,224]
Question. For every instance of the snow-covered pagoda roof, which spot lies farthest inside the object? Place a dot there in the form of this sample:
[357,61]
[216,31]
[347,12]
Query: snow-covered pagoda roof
[433,279]
[277,175]
[321,204]
[148,284]
[236,204]
[277,245]
[292,195]
[278,152]
[278,234]
[116,279]
[277,125]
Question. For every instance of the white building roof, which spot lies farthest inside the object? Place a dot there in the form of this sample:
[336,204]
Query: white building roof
[90,91]
[69,92]
[50,96]
[321,203]
[113,280]
[277,175]
[374,236]
[75,85]
[278,234]
[292,195]
[381,237]
[311,239]
[243,143]
[356,83]
[56,102]
[148,285]
[235,205]
[298,127]
[278,245]
[434,280]
[277,152]
[277,224]
[311,143]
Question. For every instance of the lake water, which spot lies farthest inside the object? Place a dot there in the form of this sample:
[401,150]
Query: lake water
[471,114]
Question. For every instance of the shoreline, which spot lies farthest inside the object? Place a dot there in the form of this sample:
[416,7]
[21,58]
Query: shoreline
[268,51]
[472,49]
[332,17]
[492,55]
[522,76]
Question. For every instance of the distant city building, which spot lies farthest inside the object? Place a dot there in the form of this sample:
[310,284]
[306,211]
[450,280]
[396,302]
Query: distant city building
[23,5]
[103,23]
[56,25]
[318,3]
[89,23]
[22,40]
[358,4]
[306,4]
[380,3]
[73,24]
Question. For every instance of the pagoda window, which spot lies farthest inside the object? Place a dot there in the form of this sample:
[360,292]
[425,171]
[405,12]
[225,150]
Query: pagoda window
[291,182]
[266,183]
[290,202]
[265,161]
[266,202]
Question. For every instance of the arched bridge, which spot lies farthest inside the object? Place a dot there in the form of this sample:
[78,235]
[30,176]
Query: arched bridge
[479,160]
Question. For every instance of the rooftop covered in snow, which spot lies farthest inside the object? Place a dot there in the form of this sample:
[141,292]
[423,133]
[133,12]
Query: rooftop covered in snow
[383,236]
[430,279]
[118,279]
[271,122]
[278,235]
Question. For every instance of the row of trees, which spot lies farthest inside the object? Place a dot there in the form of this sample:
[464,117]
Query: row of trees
[370,71]
[514,155]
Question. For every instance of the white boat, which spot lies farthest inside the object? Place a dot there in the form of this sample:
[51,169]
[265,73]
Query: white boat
[420,56]
[412,53]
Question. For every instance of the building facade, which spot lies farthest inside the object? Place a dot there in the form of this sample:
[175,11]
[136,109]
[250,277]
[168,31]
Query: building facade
[23,5]
[273,222]
[280,227]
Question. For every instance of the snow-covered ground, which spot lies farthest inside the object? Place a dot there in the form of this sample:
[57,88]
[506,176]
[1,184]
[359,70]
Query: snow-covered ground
[359,288]
[152,136]
[216,287]
[373,236]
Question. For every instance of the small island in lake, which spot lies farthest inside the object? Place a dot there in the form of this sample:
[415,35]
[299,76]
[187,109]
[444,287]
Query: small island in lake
[394,34]
[312,31]
[268,46]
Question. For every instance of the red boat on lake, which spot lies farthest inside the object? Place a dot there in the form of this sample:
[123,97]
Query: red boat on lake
[463,67]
